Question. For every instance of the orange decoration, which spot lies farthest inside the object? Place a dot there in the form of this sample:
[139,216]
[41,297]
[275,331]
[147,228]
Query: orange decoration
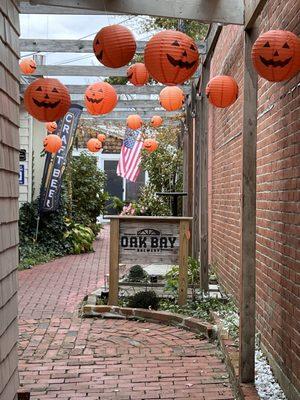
[150,145]
[47,99]
[51,126]
[101,137]
[52,143]
[114,46]
[156,121]
[94,145]
[137,74]
[222,91]
[100,98]
[27,66]
[134,121]
[171,98]
[276,55]
[171,57]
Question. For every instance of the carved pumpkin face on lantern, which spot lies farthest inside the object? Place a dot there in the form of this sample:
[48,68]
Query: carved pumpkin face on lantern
[94,145]
[171,57]
[101,137]
[276,55]
[52,143]
[47,99]
[150,145]
[137,74]
[27,66]
[114,46]
[51,126]
[100,98]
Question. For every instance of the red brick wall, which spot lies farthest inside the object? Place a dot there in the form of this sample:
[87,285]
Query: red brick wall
[278,194]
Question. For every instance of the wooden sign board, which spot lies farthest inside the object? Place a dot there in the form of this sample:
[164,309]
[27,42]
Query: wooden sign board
[148,240]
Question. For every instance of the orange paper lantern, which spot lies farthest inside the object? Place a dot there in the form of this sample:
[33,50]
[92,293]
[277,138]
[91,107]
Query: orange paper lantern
[100,98]
[52,143]
[94,145]
[137,74]
[171,98]
[51,126]
[47,99]
[156,121]
[101,137]
[276,55]
[134,121]
[222,91]
[27,66]
[114,46]
[171,57]
[150,145]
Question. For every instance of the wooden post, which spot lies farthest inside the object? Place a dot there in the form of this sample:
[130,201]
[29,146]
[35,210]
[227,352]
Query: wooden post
[183,262]
[114,262]
[248,217]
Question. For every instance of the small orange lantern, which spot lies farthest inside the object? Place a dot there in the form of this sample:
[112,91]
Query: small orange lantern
[52,143]
[171,98]
[101,137]
[51,126]
[47,99]
[276,55]
[134,122]
[171,57]
[27,66]
[137,74]
[222,91]
[150,145]
[114,46]
[94,145]
[156,121]
[100,98]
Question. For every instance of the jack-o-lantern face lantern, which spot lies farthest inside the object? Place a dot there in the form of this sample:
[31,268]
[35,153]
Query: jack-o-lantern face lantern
[94,145]
[150,145]
[114,46]
[156,121]
[51,126]
[52,143]
[27,66]
[171,98]
[137,74]
[101,137]
[100,98]
[47,99]
[276,55]
[171,57]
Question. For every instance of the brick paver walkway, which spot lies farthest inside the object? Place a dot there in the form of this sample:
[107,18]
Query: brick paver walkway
[65,357]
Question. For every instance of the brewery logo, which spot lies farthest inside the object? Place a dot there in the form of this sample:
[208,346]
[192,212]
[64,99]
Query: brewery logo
[148,240]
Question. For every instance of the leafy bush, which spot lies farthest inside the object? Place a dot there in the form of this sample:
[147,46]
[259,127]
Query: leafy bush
[80,237]
[153,204]
[144,300]
[137,274]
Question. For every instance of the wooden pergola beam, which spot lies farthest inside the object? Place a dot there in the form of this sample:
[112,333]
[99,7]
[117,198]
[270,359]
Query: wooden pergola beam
[149,105]
[79,70]
[107,120]
[143,113]
[223,11]
[252,10]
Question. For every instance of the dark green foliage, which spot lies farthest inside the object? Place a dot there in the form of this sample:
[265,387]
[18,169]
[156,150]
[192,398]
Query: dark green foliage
[137,274]
[80,237]
[144,300]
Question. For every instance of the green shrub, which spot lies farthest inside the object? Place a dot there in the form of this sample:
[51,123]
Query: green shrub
[80,237]
[137,274]
[144,300]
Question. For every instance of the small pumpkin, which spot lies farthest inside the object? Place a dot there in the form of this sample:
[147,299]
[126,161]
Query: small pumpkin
[276,55]
[156,121]
[114,46]
[222,91]
[150,145]
[52,143]
[27,66]
[94,145]
[100,98]
[137,74]
[101,137]
[47,99]
[51,126]
[171,98]
[134,122]
[171,57]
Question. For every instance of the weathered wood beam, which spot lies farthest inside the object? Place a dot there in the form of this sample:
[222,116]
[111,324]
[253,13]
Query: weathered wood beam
[143,113]
[211,40]
[27,8]
[127,104]
[79,70]
[106,120]
[252,10]
[75,46]
[223,11]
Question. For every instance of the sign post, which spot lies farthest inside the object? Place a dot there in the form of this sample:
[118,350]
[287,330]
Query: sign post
[147,240]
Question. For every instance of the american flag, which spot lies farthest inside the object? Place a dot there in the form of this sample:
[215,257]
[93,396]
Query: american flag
[130,157]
